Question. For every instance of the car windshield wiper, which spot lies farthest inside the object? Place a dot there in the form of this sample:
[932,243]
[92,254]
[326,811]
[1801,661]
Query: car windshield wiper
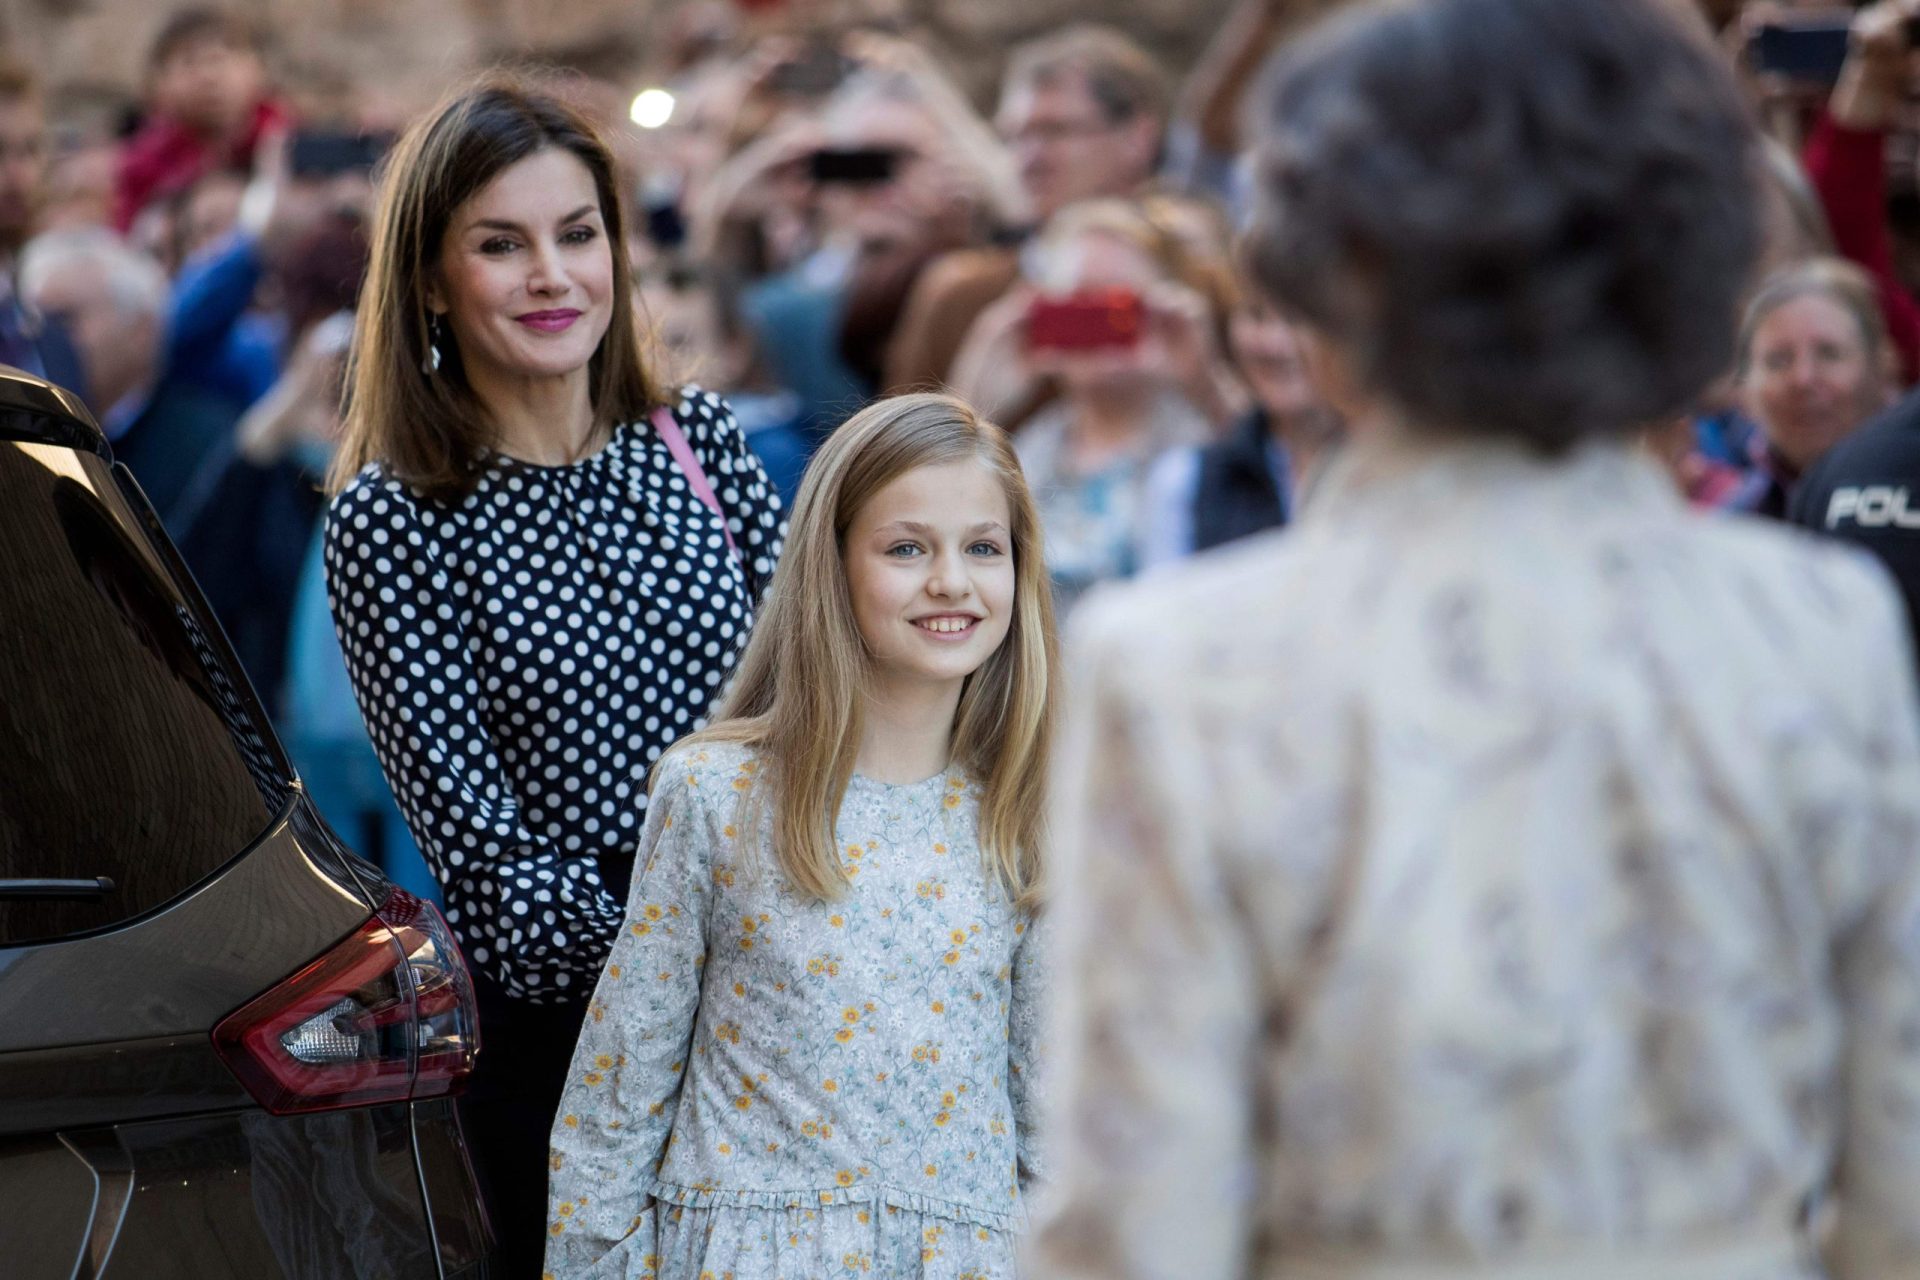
[95,887]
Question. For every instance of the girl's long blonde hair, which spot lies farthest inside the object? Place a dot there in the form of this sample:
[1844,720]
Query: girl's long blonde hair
[797,698]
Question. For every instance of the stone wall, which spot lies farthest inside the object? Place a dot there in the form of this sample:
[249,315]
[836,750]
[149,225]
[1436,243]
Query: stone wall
[408,48]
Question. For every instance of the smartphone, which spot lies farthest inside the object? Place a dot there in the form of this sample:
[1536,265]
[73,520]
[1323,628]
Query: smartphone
[855,166]
[322,153]
[1809,46]
[1090,320]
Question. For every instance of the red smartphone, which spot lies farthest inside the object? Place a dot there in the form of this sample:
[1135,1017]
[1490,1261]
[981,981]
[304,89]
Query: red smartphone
[1090,320]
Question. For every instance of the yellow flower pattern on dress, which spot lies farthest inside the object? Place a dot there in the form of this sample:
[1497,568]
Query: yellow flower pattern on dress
[849,1056]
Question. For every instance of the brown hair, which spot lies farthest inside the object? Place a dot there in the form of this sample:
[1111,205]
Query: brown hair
[429,430]
[796,698]
[1835,279]
[17,80]
[192,25]
[1123,78]
[1528,220]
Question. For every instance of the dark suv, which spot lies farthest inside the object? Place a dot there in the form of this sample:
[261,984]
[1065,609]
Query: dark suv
[226,1043]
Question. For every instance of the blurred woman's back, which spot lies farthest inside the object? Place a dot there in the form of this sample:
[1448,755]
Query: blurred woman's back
[1504,872]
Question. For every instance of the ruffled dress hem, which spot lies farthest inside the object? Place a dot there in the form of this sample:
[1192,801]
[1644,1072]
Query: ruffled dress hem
[864,1193]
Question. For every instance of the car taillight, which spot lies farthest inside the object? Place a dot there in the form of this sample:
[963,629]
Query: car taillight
[386,1015]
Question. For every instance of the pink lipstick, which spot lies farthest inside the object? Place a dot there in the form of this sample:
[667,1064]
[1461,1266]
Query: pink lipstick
[549,321]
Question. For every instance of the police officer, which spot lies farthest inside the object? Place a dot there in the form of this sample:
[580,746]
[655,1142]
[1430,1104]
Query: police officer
[1866,489]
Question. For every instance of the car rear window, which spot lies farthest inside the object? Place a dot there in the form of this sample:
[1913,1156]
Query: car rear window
[132,748]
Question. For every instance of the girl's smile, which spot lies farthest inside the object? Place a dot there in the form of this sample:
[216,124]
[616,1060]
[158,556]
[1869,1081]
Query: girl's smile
[948,626]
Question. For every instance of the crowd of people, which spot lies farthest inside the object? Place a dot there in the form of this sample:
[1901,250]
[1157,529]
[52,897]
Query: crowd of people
[568,479]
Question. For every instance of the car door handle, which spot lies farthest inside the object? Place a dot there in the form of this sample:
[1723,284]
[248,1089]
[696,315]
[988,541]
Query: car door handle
[96,887]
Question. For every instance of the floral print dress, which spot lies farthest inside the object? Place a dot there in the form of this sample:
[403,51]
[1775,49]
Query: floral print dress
[769,1086]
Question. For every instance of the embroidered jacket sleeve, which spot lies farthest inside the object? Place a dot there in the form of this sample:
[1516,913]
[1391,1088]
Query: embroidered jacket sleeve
[1153,1041]
[1871,858]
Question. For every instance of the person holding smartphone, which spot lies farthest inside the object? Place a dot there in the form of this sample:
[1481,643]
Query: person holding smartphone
[1120,309]
[1845,157]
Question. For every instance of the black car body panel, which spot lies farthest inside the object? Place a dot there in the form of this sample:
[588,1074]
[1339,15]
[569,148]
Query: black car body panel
[183,968]
[142,764]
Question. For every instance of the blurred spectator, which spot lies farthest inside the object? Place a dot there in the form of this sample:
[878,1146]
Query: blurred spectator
[995,365]
[23,156]
[202,214]
[28,340]
[249,520]
[693,312]
[83,160]
[297,201]
[1085,111]
[1845,157]
[1201,497]
[901,170]
[1204,144]
[1866,490]
[1125,319]
[285,444]
[1725,440]
[208,108]
[112,299]
[1706,481]
[1814,364]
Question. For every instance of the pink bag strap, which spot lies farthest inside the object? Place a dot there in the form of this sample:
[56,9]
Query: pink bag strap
[669,429]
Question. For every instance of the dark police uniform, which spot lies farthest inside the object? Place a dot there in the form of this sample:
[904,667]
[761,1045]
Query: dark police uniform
[1866,489]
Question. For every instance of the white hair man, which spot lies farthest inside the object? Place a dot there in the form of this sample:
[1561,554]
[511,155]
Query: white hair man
[112,300]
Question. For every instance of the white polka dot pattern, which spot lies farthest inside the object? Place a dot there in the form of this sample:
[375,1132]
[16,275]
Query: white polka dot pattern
[522,657]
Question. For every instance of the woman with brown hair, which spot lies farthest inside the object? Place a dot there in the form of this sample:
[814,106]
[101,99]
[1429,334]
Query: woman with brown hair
[541,565]
[1147,376]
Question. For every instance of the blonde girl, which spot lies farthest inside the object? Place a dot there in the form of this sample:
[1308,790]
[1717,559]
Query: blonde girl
[811,1048]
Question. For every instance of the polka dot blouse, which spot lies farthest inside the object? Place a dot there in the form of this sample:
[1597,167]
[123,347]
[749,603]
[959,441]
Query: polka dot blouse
[524,655]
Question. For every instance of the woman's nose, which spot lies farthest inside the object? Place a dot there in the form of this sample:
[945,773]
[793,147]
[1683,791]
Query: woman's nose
[544,273]
[1805,371]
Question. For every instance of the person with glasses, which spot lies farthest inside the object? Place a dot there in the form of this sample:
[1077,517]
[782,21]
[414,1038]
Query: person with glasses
[1084,110]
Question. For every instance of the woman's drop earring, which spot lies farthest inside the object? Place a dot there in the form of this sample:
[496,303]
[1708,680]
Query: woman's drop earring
[431,365]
